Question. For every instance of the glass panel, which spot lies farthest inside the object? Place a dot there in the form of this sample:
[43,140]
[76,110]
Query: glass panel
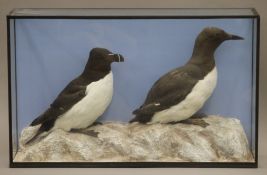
[46,54]
[44,45]
[13,87]
[253,106]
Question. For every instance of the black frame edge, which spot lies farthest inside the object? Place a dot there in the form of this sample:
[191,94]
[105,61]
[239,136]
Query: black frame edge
[134,165]
[257,91]
[9,92]
[130,17]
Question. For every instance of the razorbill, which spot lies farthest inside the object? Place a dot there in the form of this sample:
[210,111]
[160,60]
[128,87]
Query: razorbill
[179,94]
[84,99]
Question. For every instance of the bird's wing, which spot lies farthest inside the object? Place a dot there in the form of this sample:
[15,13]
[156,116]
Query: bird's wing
[70,95]
[170,89]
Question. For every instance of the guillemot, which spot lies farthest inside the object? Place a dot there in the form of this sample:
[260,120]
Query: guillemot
[180,94]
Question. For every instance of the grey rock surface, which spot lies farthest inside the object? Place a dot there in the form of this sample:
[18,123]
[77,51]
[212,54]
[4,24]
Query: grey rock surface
[223,140]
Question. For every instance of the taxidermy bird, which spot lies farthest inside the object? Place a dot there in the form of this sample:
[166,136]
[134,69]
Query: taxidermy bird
[180,94]
[84,99]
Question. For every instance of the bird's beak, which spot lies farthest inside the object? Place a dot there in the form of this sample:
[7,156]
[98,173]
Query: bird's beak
[116,57]
[234,37]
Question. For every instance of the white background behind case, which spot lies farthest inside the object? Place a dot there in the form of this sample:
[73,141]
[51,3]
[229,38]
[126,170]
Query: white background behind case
[7,6]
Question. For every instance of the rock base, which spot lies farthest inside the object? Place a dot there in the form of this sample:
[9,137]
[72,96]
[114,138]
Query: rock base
[223,140]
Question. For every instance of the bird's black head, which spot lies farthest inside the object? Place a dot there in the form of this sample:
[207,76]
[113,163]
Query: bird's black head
[100,59]
[210,38]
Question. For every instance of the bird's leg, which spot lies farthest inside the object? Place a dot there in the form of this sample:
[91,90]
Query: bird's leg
[96,123]
[199,115]
[173,123]
[84,131]
[87,132]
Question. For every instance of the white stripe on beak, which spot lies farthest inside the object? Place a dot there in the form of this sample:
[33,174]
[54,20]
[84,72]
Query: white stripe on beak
[119,57]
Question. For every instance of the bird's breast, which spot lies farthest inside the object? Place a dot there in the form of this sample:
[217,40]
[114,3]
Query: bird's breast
[87,110]
[192,103]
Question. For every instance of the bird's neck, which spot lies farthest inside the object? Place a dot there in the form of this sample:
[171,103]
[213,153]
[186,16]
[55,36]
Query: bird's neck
[96,69]
[203,53]
[204,49]
[202,60]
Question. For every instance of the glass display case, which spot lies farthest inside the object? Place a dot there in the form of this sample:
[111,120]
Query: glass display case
[47,48]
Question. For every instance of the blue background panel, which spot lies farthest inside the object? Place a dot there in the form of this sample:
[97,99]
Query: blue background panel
[50,53]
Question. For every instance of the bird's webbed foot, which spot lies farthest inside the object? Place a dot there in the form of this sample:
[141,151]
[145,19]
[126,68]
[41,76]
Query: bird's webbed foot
[192,121]
[195,121]
[85,131]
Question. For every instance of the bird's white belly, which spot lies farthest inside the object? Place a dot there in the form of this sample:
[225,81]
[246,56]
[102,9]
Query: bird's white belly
[93,105]
[192,103]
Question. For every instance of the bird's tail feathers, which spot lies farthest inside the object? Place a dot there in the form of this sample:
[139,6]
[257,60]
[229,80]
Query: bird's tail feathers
[35,136]
[48,115]
[133,120]
[41,118]
[46,126]
[136,111]
[36,121]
